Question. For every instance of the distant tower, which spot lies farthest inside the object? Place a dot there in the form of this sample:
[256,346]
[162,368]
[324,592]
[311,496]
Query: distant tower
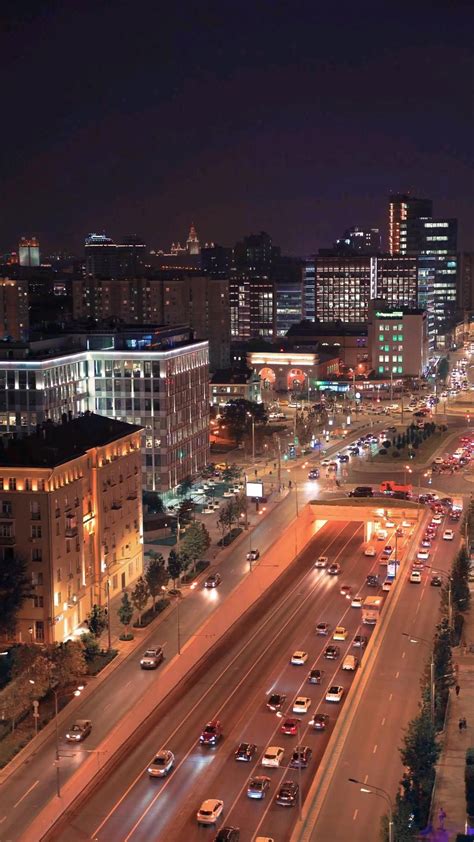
[192,243]
[29,251]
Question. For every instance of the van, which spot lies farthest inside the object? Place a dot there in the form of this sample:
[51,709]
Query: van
[387,584]
[349,663]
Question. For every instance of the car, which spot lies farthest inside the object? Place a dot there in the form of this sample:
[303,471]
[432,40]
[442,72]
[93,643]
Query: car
[345,590]
[417,564]
[423,554]
[362,491]
[350,662]
[319,721]
[209,811]
[354,451]
[245,751]
[340,633]
[314,474]
[372,580]
[213,580]
[406,524]
[334,693]
[436,582]
[448,535]
[343,457]
[356,601]
[370,551]
[334,569]
[299,658]
[321,562]
[301,704]
[382,535]
[287,794]
[301,757]
[360,641]
[79,731]
[399,532]
[387,551]
[272,756]
[289,726]
[415,577]
[425,541]
[228,834]
[276,701]
[211,733]
[161,764]
[331,652]
[314,677]
[437,519]
[325,463]
[152,658]
[253,555]
[257,786]
[323,629]
[387,583]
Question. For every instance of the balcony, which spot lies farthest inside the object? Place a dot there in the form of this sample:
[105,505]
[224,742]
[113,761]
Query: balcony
[6,515]
[7,540]
[35,515]
[70,531]
[116,505]
[132,495]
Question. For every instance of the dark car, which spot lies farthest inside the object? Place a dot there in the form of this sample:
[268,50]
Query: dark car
[323,629]
[331,652]
[314,677]
[211,733]
[213,580]
[343,457]
[287,794]
[354,451]
[300,757]
[360,640]
[436,581]
[245,751]
[79,731]
[313,474]
[334,569]
[372,580]
[319,721]
[276,701]
[362,491]
[228,834]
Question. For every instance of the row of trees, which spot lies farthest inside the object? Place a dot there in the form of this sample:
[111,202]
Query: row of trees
[230,514]
[420,749]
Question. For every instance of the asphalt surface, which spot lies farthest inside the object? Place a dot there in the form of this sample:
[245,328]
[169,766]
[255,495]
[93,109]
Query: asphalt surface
[388,703]
[131,806]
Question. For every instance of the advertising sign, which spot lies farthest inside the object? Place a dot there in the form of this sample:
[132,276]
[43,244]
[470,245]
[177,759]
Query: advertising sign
[254,489]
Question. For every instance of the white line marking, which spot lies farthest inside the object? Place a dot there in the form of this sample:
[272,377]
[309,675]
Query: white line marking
[26,793]
[403,654]
[366,779]
[375,748]
[355,814]
[3,819]
[397,674]
[390,697]
[383,721]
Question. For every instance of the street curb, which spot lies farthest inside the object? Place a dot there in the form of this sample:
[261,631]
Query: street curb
[319,788]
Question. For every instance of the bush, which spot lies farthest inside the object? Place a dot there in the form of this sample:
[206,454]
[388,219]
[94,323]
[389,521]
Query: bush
[200,566]
[457,630]
[149,615]
[383,452]
[100,661]
[91,646]
[469,783]
[396,453]
[470,757]
[126,636]
[231,536]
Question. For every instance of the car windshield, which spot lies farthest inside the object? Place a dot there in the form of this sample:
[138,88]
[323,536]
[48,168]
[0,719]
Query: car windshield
[256,784]
[76,728]
[160,760]
[150,653]
[209,729]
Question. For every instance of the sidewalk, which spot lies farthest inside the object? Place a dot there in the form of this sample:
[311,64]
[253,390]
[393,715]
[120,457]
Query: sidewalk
[449,788]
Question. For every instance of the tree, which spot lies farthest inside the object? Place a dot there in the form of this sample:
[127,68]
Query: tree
[237,416]
[419,754]
[153,502]
[184,487]
[175,565]
[156,575]
[140,597]
[91,646]
[442,370]
[196,541]
[186,512]
[15,587]
[68,662]
[33,665]
[125,612]
[460,593]
[97,620]
[443,670]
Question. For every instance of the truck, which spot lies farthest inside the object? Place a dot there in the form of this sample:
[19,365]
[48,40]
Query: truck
[388,486]
[456,505]
[371,608]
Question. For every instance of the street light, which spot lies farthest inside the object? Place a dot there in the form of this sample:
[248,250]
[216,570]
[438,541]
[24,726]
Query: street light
[281,715]
[448,578]
[250,415]
[432,676]
[369,789]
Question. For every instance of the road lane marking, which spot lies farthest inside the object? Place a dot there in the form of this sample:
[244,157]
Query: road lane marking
[366,779]
[418,607]
[390,697]
[257,632]
[403,655]
[355,814]
[397,674]
[374,749]
[25,794]
[383,721]
[3,819]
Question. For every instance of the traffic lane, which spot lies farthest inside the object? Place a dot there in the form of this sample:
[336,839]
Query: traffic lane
[389,702]
[328,539]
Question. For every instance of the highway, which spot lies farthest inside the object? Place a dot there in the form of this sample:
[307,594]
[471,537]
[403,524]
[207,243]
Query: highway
[390,700]
[234,688]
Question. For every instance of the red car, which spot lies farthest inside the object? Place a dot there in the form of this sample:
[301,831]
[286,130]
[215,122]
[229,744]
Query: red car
[211,733]
[289,726]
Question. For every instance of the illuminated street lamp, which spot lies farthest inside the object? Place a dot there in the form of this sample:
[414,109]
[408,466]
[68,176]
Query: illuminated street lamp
[369,789]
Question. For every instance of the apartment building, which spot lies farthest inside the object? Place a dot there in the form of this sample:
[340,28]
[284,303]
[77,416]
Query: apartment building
[71,506]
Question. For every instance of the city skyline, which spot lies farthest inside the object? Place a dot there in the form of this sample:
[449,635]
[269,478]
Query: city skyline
[277,128]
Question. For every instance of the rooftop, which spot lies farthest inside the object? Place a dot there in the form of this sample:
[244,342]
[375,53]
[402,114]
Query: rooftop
[54,444]
[231,375]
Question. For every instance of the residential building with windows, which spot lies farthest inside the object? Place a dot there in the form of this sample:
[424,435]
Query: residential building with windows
[466,283]
[156,377]
[234,384]
[14,312]
[398,340]
[71,507]
[404,208]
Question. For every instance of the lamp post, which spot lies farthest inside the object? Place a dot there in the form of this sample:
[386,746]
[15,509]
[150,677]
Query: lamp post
[252,419]
[369,789]
[281,715]
[448,579]
[423,640]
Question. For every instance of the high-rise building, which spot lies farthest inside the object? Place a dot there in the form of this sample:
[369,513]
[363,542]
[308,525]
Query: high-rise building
[157,378]
[193,245]
[466,282]
[256,255]
[309,289]
[105,258]
[216,261]
[29,253]
[71,507]
[14,311]
[289,305]
[403,207]
[359,241]
[252,307]
[398,340]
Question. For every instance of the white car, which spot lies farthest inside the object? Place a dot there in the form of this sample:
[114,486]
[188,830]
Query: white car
[389,524]
[423,555]
[322,561]
[448,535]
[371,552]
[301,704]
[273,756]
[334,693]
[382,535]
[356,601]
[437,519]
[161,764]
[415,577]
[299,658]
[209,811]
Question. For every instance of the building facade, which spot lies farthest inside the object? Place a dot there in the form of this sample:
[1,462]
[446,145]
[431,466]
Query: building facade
[402,208]
[157,379]
[466,283]
[29,252]
[398,340]
[293,371]
[105,258]
[14,312]
[233,384]
[71,507]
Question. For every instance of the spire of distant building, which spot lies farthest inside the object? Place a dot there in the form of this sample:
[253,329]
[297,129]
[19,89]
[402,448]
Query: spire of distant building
[192,243]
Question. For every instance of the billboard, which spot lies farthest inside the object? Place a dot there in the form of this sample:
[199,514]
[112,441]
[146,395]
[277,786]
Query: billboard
[254,489]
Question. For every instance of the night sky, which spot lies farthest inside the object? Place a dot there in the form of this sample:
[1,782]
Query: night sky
[297,118]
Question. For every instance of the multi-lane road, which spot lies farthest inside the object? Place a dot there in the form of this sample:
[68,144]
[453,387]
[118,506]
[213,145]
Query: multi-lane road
[234,687]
